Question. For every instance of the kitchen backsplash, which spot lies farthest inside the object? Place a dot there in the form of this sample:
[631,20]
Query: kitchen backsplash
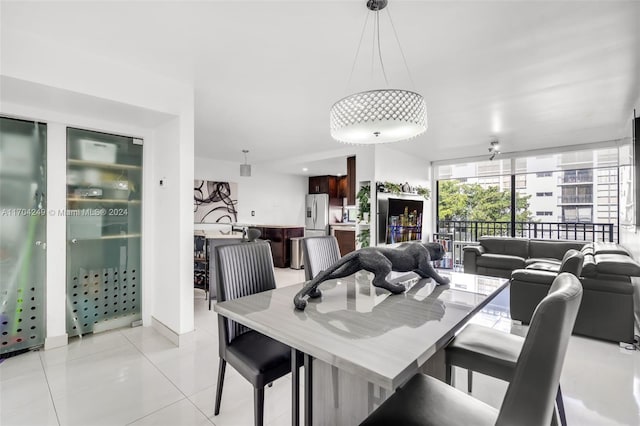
[335,214]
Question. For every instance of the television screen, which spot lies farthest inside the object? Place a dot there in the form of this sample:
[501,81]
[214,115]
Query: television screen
[404,220]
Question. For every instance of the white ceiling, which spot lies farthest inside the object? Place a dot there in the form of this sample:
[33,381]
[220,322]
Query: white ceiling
[534,73]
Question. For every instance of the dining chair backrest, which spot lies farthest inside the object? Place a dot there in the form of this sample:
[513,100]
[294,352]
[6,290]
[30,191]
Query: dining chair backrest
[253,234]
[243,269]
[572,262]
[531,393]
[319,253]
[199,242]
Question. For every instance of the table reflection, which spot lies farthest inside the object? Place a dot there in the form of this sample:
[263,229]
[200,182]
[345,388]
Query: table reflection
[349,306]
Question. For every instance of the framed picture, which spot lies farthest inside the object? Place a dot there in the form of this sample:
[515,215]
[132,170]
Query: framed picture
[215,202]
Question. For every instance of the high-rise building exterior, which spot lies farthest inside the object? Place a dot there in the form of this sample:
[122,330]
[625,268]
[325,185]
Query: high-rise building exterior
[579,187]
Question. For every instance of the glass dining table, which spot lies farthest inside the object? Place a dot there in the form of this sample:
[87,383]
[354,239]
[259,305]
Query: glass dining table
[360,342]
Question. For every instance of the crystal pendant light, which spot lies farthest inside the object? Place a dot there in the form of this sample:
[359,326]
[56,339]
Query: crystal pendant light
[379,116]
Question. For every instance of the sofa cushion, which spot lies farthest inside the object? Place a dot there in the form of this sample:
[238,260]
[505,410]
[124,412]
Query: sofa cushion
[608,284]
[589,266]
[616,264]
[533,260]
[572,262]
[544,266]
[500,261]
[533,276]
[552,248]
[506,245]
[600,247]
[588,249]
[476,249]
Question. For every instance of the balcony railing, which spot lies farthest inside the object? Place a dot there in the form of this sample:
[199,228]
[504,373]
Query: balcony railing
[467,232]
[576,199]
[472,230]
[582,177]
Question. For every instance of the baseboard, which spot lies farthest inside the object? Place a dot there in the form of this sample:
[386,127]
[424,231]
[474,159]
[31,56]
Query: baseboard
[53,342]
[175,338]
[114,323]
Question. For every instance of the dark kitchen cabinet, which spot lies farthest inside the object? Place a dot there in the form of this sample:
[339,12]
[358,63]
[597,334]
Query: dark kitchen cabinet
[342,187]
[280,240]
[326,185]
[350,192]
[318,184]
[346,240]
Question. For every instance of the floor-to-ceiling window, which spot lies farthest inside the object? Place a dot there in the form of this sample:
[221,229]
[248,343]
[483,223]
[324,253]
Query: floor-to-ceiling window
[562,195]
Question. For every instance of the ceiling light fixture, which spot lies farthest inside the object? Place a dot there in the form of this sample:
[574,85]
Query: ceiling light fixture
[378,116]
[245,169]
[494,149]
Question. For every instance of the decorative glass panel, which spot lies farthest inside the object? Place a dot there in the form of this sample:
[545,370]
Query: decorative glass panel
[22,234]
[104,210]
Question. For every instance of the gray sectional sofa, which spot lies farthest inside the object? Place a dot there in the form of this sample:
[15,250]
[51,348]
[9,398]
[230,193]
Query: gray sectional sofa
[606,311]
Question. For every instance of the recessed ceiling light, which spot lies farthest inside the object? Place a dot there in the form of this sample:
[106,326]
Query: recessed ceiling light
[304,169]
[339,174]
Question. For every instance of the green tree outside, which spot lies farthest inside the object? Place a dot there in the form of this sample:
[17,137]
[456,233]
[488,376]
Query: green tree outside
[474,202]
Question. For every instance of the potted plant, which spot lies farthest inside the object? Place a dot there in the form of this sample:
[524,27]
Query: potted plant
[364,209]
[394,188]
[363,237]
[364,206]
[420,190]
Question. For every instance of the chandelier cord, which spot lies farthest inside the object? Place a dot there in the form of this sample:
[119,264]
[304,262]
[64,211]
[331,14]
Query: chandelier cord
[353,66]
[404,59]
[384,74]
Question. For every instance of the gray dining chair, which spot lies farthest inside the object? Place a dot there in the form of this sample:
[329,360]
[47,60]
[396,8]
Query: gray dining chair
[319,253]
[493,352]
[529,400]
[243,270]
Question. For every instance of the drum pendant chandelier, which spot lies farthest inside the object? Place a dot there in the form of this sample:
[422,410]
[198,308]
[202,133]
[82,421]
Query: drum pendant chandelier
[379,116]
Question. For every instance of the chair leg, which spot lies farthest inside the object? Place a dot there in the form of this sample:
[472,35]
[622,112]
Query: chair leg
[222,366]
[448,376]
[469,380]
[560,407]
[258,406]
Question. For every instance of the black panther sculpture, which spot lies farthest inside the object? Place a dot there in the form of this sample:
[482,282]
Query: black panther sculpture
[407,257]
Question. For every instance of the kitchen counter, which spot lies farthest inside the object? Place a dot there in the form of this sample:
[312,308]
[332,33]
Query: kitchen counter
[279,237]
[345,234]
[344,226]
[217,234]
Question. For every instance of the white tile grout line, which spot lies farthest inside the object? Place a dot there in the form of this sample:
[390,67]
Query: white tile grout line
[46,378]
[167,406]
[170,381]
[86,336]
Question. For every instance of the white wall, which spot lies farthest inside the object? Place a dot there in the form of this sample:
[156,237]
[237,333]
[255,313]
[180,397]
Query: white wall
[168,150]
[398,167]
[276,198]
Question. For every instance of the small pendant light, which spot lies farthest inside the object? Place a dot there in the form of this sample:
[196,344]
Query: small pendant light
[245,169]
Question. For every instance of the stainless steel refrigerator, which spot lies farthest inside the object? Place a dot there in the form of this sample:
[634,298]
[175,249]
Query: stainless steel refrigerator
[316,221]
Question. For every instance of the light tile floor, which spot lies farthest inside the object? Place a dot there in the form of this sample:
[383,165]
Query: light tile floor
[135,376]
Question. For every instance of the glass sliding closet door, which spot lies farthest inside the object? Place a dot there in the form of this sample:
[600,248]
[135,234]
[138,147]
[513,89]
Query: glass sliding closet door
[22,234]
[104,212]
